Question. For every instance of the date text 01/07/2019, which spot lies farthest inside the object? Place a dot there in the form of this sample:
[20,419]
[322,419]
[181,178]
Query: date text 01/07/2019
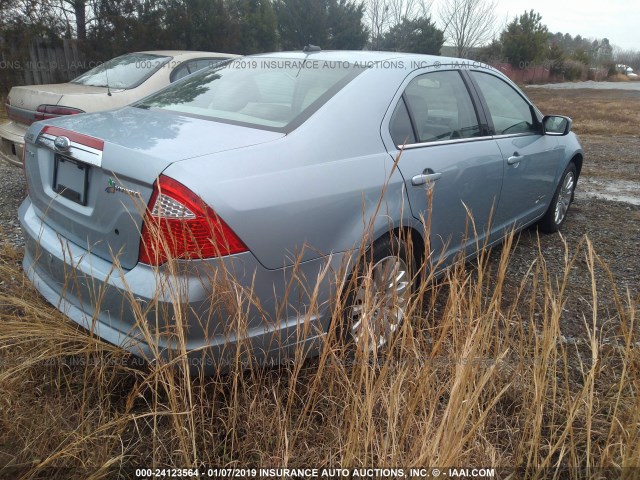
[208,472]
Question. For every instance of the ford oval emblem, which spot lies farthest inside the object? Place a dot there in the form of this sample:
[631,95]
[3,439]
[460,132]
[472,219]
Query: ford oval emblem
[62,143]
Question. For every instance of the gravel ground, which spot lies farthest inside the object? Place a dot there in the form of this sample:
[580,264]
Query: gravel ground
[12,192]
[614,230]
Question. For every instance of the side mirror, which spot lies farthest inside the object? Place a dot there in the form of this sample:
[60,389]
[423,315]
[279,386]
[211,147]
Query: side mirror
[556,125]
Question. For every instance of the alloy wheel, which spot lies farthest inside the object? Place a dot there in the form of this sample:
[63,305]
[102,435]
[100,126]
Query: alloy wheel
[564,198]
[380,303]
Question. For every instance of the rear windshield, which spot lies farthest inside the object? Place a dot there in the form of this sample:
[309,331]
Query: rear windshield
[127,71]
[270,93]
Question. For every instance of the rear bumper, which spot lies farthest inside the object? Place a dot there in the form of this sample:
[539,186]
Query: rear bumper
[264,314]
[12,142]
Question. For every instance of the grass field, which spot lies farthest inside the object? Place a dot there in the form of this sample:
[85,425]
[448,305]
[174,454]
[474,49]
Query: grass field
[595,112]
[473,380]
[485,374]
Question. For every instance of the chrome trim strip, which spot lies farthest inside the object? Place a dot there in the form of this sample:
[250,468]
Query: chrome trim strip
[512,135]
[443,142]
[76,150]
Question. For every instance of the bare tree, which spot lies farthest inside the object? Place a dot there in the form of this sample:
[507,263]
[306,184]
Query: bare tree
[382,15]
[74,13]
[31,12]
[468,23]
[377,15]
[627,57]
[400,10]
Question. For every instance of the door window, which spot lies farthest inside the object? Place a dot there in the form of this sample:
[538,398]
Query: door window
[440,108]
[509,111]
[401,129]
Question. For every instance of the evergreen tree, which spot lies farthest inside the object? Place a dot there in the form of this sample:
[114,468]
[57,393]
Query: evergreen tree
[525,39]
[414,36]
[329,24]
[253,26]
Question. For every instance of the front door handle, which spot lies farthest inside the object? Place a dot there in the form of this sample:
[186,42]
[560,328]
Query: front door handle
[427,176]
[514,159]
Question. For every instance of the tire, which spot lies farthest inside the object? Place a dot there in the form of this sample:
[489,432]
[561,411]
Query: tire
[561,201]
[379,294]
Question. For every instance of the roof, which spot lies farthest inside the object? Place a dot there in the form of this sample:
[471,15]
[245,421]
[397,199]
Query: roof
[401,60]
[188,53]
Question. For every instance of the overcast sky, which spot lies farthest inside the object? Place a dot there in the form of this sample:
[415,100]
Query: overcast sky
[617,20]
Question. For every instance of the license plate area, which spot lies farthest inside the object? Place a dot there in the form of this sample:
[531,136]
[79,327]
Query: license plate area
[71,179]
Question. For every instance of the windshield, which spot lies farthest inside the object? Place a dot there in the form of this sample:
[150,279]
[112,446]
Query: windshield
[126,71]
[271,93]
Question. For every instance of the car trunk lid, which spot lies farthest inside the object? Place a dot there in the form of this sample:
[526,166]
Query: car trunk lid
[94,190]
[23,102]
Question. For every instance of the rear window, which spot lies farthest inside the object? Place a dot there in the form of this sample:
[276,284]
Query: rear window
[127,71]
[270,93]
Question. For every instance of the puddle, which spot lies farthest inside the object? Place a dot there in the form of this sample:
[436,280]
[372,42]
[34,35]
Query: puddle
[616,190]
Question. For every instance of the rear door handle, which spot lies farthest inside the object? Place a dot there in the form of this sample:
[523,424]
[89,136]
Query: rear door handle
[427,176]
[514,159]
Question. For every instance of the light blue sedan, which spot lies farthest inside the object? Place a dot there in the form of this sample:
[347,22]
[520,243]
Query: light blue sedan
[245,191]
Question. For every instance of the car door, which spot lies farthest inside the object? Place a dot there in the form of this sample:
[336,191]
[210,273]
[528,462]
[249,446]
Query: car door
[531,159]
[452,168]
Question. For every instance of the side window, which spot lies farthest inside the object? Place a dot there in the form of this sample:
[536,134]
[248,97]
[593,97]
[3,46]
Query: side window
[441,107]
[201,63]
[191,66]
[509,111]
[400,125]
[180,72]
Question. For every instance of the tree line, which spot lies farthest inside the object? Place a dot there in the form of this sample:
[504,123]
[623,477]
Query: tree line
[107,28]
[111,27]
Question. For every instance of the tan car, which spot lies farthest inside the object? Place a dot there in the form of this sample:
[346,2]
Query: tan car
[113,84]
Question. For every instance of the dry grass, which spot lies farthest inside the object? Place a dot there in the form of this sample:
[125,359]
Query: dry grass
[618,77]
[473,379]
[480,376]
[597,112]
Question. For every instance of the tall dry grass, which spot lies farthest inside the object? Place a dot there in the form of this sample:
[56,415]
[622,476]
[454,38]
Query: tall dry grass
[479,375]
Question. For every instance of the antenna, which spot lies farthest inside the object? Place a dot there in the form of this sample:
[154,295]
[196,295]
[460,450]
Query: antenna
[106,74]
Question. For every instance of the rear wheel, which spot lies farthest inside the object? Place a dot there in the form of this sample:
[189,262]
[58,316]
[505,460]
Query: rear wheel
[561,201]
[380,295]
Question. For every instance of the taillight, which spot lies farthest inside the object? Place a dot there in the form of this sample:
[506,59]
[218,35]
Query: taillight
[53,111]
[24,168]
[24,158]
[178,224]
